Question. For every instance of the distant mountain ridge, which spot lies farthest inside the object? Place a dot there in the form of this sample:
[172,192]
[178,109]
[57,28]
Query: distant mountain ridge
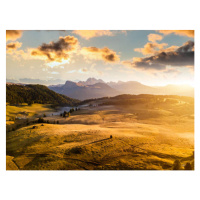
[82,91]
[97,88]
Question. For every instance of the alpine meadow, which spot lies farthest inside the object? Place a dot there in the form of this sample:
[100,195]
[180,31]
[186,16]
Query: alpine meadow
[100,100]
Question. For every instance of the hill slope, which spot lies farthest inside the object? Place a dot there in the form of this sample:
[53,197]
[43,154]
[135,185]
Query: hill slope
[35,94]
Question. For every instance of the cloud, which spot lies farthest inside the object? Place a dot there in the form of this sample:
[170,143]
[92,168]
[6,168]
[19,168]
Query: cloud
[12,49]
[87,34]
[182,57]
[188,33]
[104,54]
[13,35]
[72,71]
[151,48]
[172,71]
[54,72]
[58,52]
[187,47]
[154,37]
[13,46]
[83,70]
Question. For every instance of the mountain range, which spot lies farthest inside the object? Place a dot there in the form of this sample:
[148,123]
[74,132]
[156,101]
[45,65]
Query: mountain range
[82,91]
[97,88]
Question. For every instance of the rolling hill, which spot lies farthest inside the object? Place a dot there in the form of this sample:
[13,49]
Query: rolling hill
[18,93]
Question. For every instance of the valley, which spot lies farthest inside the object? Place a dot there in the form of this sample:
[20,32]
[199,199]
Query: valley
[126,132]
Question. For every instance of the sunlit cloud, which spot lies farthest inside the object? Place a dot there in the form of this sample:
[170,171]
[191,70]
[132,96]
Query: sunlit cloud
[183,56]
[151,48]
[13,35]
[173,71]
[105,54]
[83,70]
[12,47]
[188,33]
[154,37]
[56,53]
[54,63]
[54,72]
[71,71]
[87,34]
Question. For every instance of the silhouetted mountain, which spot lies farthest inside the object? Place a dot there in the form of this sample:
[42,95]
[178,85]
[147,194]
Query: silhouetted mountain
[82,92]
[16,93]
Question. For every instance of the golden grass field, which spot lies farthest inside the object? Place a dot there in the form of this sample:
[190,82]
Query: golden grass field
[144,137]
[26,110]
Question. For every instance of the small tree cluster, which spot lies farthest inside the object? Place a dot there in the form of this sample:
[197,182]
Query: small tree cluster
[67,114]
[188,166]
[71,110]
[177,165]
[41,120]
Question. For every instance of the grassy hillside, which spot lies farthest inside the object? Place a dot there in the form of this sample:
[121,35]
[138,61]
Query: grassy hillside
[16,94]
[149,135]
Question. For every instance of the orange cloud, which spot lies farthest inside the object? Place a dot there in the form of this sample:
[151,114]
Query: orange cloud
[95,53]
[87,34]
[154,37]
[183,56]
[188,33]
[56,52]
[13,34]
[151,48]
[12,47]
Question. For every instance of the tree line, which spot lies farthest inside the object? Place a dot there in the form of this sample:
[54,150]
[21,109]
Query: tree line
[17,94]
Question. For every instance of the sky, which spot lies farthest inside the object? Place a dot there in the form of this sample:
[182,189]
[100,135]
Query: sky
[151,57]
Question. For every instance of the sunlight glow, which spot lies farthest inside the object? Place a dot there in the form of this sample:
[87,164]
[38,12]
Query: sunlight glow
[54,64]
